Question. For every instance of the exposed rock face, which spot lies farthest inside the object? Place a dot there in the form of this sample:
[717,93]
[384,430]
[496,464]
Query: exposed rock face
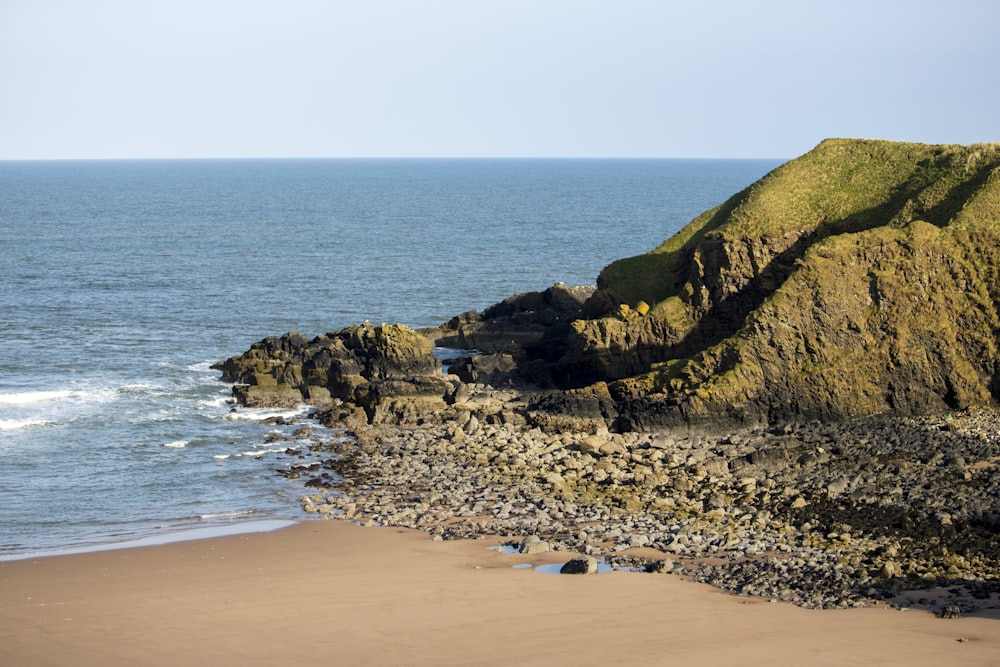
[522,320]
[516,340]
[389,371]
[861,278]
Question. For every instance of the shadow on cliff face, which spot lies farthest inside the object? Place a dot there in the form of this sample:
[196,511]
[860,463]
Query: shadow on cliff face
[709,270]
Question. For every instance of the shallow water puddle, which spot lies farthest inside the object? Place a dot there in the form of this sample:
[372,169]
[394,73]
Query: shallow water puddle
[551,568]
[554,568]
[503,548]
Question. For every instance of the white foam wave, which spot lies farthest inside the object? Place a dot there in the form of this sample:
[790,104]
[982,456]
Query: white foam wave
[201,367]
[258,452]
[26,397]
[143,391]
[250,453]
[177,444]
[15,424]
[214,403]
[102,395]
[259,414]
[221,515]
[76,403]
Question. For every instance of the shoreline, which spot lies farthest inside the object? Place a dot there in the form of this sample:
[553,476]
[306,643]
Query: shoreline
[331,590]
[451,484]
[419,585]
[801,514]
[186,534]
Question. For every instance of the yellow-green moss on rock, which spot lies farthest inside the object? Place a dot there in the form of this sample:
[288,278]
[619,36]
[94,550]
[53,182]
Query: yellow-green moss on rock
[860,278]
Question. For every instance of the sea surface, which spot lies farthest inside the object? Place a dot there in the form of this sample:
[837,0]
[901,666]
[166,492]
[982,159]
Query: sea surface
[121,282]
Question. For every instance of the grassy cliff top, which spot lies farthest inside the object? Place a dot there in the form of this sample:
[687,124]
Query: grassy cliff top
[842,185]
[860,278]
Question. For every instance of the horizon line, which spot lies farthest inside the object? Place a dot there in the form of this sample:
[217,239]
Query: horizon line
[381,157]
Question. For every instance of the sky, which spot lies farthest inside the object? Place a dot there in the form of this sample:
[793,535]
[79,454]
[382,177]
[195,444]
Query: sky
[490,78]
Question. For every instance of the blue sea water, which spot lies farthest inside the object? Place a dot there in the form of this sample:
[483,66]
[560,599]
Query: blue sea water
[122,281]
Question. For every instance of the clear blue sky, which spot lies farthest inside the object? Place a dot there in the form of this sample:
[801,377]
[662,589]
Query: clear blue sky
[570,78]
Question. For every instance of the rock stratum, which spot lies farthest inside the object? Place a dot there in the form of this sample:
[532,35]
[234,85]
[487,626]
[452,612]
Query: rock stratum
[795,396]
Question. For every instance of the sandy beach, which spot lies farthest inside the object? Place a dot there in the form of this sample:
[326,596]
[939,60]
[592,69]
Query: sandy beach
[330,592]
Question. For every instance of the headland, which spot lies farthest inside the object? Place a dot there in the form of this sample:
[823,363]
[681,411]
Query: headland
[793,397]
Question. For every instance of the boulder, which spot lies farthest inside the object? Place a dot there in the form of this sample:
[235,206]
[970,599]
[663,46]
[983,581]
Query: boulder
[586,410]
[268,396]
[662,566]
[951,611]
[593,444]
[495,369]
[532,544]
[581,565]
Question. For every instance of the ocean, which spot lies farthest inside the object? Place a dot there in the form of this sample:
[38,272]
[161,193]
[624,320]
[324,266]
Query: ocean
[121,282]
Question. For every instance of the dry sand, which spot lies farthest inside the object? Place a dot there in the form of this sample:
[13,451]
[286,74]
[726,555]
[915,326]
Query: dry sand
[331,593]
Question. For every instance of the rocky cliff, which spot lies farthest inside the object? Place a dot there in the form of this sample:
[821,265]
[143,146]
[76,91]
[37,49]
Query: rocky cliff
[858,279]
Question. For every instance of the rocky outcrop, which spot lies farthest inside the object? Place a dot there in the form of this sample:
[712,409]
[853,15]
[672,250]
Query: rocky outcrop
[858,279]
[519,321]
[861,278]
[388,371]
[737,400]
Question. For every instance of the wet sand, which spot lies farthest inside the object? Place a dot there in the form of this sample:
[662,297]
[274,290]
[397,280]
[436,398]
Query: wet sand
[329,592]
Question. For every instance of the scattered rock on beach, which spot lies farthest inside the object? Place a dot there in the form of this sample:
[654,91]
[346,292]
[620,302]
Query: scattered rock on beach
[951,611]
[581,565]
[884,536]
[533,544]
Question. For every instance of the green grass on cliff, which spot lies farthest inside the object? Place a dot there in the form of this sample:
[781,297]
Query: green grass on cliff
[860,278]
[841,186]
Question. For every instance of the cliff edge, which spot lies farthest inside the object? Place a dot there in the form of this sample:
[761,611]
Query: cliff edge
[858,279]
